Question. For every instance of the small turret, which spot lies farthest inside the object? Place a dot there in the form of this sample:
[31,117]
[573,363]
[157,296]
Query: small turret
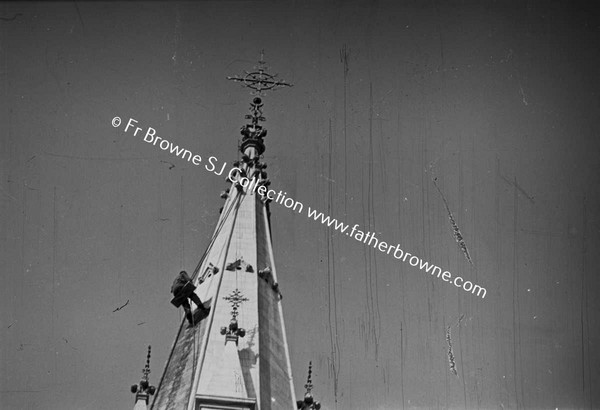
[309,402]
[143,390]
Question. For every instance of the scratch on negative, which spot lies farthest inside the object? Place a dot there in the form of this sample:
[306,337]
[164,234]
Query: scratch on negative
[456,232]
[80,18]
[67,342]
[344,58]
[327,179]
[7,194]
[11,18]
[121,307]
[524,97]
[97,158]
[451,360]
[516,185]
[171,165]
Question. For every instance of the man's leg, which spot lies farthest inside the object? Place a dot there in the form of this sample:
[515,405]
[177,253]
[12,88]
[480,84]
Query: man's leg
[197,301]
[188,312]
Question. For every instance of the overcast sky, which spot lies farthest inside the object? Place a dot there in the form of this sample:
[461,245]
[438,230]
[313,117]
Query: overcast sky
[496,103]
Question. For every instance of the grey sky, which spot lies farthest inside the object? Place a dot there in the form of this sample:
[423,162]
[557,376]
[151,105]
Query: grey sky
[477,94]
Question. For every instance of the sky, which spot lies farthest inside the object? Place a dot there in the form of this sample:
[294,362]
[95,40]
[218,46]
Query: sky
[419,121]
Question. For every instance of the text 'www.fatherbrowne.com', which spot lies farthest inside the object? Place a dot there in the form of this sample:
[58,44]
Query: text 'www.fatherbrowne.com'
[251,186]
[369,239]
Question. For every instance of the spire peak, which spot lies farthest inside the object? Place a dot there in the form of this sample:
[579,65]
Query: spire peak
[259,81]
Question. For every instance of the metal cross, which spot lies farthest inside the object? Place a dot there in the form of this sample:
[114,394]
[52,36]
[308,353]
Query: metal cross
[235,299]
[259,80]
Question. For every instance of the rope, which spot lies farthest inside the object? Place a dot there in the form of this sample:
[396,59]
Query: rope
[218,229]
[233,204]
[212,239]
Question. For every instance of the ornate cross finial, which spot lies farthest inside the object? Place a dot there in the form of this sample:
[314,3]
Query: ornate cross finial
[260,80]
[235,299]
[143,390]
[233,332]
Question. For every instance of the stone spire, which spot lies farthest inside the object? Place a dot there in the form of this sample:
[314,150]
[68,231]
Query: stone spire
[237,357]
[143,390]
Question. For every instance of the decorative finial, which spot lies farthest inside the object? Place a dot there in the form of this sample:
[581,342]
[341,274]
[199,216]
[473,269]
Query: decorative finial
[260,80]
[256,113]
[143,390]
[233,332]
[235,299]
[253,133]
[308,386]
[309,402]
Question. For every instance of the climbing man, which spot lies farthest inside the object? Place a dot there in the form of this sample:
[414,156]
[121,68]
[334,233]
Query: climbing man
[182,290]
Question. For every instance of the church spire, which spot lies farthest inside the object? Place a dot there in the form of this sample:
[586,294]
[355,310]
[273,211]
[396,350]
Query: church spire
[143,390]
[244,365]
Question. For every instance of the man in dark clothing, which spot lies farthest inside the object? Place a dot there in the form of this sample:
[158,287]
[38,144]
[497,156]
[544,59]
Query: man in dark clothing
[182,290]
